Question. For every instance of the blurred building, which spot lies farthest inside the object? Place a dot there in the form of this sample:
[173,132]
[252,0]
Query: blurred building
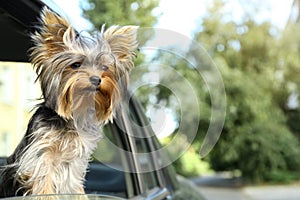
[17,98]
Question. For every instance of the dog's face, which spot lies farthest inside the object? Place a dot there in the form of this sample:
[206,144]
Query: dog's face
[80,73]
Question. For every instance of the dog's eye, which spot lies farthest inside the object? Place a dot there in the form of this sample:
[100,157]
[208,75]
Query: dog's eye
[75,65]
[104,67]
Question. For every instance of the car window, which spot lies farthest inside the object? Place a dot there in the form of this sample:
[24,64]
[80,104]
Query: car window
[19,94]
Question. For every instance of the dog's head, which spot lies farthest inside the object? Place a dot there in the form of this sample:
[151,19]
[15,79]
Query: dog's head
[79,73]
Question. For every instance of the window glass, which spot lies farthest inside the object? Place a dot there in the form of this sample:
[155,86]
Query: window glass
[106,174]
[145,159]
[106,153]
[146,163]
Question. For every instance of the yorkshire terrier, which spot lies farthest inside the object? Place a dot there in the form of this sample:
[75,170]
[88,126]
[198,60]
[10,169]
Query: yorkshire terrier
[82,79]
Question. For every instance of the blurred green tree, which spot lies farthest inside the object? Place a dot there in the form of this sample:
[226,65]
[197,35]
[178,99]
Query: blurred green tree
[259,66]
[256,138]
[121,12]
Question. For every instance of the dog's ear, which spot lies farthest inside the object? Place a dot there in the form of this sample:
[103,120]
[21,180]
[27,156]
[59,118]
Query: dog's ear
[54,36]
[123,43]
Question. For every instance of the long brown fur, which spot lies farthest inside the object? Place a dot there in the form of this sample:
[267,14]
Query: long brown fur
[82,79]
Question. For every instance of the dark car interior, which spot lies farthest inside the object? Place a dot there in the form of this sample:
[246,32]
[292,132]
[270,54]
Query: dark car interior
[112,180]
[17,20]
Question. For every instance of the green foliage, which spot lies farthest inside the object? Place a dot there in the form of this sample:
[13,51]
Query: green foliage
[189,164]
[121,12]
[256,138]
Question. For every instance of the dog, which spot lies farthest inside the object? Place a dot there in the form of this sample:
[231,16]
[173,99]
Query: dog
[83,79]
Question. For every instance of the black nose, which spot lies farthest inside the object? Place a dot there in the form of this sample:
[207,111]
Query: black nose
[95,80]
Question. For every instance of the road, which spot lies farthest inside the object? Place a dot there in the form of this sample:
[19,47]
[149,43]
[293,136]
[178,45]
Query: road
[216,188]
[290,192]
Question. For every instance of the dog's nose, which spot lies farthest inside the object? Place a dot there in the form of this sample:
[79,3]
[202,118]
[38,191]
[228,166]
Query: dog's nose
[95,80]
